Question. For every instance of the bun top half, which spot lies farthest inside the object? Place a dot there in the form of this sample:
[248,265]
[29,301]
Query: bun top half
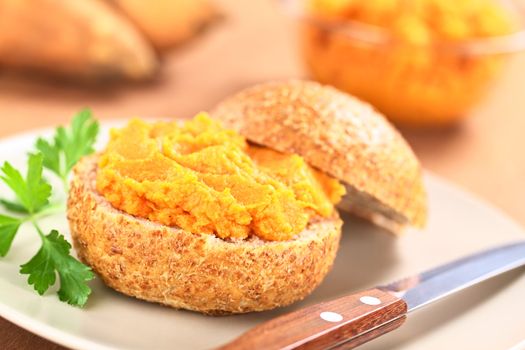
[340,135]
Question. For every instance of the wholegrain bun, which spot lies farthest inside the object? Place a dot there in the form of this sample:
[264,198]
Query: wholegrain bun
[340,135]
[197,272]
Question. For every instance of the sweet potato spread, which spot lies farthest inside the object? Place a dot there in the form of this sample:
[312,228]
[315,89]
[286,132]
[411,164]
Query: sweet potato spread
[425,73]
[420,22]
[206,179]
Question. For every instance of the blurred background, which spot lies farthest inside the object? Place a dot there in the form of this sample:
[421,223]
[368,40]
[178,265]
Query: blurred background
[450,74]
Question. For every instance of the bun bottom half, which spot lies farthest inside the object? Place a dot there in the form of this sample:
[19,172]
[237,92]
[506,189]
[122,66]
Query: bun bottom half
[198,272]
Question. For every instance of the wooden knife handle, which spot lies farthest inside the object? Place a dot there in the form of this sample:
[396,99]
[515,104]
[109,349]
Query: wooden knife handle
[342,323]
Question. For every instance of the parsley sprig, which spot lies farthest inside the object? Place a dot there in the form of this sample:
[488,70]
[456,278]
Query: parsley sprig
[68,146]
[33,193]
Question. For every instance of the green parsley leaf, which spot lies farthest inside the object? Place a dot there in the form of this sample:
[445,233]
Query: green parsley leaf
[51,154]
[52,258]
[8,229]
[69,145]
[33,192]
[32,203]
[79,140]
[13,206]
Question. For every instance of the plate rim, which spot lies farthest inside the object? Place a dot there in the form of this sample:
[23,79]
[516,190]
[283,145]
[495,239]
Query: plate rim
[47,331]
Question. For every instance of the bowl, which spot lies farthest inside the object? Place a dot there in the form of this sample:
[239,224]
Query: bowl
[423,85]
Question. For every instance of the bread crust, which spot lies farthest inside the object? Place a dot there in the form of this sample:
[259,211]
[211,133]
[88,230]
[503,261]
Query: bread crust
[341,136]
[197,272]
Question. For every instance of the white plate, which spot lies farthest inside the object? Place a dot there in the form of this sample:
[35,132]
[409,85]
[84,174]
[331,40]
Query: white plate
[489,316]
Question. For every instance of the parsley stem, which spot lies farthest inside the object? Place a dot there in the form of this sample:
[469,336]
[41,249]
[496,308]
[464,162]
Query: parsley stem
[40,232]
[49,211]
[65,182]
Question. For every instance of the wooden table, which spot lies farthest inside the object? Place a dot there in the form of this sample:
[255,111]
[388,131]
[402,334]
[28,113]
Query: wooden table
[256,43]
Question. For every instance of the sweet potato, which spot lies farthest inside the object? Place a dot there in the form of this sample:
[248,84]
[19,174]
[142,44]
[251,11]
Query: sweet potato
[168,22]
[83,39]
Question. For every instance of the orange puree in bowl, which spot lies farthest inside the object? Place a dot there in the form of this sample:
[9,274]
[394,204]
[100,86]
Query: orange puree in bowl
[206,179]
[420,69]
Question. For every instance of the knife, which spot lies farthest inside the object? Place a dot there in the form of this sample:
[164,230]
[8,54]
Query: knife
[352,320]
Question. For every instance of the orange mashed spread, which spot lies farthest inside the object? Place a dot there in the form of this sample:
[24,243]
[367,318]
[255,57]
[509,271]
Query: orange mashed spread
[206,179]
[425,73]
[420,22]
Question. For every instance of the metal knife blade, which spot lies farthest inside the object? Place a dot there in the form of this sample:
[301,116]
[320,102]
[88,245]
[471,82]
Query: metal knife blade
[429,286]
